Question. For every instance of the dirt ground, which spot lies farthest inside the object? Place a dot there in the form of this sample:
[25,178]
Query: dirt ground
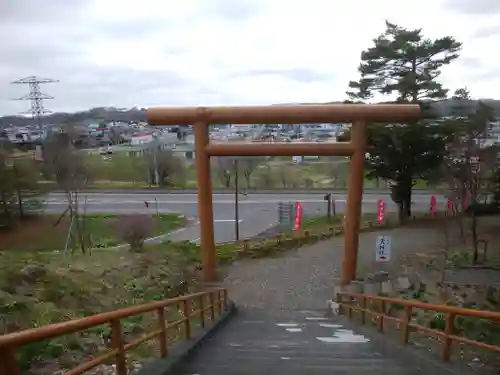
[37,231]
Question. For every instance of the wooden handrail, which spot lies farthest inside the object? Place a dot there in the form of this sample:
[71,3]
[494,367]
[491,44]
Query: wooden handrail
[218,302]
[405,322]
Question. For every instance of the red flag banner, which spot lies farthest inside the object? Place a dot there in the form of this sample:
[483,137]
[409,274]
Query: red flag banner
[298,216]
[380,210]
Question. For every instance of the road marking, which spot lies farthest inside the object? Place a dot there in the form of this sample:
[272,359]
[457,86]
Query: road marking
[152,203]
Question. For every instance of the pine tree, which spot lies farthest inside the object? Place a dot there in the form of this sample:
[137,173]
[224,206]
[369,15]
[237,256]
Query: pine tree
[404,64]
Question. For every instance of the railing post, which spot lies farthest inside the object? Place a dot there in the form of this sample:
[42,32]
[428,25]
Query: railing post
[380,321]
[163,334]
[226,302]
[406,325]
[448,330]
[219,302]
[212,307]
[187,318]
[8,361]
[363,313]
[117,344]
[202,311]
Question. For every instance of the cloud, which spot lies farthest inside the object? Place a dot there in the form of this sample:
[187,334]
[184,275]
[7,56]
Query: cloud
[486,32]
[206,52]
[476,7]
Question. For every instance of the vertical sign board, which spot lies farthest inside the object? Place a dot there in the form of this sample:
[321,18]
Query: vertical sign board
[380,210]
[432,208]
[298,216]
[383,249]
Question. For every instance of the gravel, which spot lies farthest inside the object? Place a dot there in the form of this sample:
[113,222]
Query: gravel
[304,278]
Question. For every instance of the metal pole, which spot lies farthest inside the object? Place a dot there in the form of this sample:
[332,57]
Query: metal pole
[157,176]
[236,202]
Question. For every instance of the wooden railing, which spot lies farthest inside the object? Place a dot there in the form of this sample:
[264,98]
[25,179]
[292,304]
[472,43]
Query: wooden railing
[211,302]
[350,302]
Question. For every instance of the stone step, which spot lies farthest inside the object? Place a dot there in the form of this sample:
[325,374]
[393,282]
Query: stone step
[296,342]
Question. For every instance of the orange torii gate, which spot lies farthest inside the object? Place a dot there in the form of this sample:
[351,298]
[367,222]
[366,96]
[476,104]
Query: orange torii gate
[357,114]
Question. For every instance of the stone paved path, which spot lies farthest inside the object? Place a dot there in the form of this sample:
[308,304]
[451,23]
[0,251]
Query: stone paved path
[299,343]
[303,279]
[282,324]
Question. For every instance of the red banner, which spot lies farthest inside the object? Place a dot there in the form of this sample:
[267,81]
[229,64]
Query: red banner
[298,216]
[451,207]
[380,210]
[432,208]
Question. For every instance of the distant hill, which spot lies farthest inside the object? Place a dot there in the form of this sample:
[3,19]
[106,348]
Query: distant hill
[442,108]
[98,114]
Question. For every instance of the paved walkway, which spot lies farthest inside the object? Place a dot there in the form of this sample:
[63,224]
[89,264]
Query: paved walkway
[303,279]
[283,326]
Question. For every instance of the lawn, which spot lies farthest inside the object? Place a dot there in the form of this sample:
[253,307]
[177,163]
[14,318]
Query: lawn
[42,234]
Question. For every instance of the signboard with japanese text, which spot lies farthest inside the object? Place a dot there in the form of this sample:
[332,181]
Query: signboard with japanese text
[383,249]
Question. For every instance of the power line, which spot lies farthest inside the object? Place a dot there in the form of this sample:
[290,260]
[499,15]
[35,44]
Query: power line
[36,97]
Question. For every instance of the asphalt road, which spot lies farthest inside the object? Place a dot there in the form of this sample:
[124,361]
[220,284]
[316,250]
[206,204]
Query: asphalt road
[257,212]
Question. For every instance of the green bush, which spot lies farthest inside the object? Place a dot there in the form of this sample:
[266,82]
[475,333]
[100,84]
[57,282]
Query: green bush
[483,209]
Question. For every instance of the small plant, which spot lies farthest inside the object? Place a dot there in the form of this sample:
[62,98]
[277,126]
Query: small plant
[133,229]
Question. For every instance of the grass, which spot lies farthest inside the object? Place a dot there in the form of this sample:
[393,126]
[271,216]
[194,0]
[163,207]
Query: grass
[122,171]
[41,234]
[41,287]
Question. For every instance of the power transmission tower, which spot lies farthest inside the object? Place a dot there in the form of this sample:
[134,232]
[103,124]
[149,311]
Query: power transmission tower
[36,97]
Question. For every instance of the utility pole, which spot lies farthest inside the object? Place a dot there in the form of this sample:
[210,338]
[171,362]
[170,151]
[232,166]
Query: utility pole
[236,202]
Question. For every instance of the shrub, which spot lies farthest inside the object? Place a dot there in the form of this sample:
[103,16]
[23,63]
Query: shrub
[133,229]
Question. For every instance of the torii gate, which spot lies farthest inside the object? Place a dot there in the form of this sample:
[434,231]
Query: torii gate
[357,114]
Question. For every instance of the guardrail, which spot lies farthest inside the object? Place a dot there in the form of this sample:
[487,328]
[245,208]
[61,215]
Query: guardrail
[358,302]
[212,302]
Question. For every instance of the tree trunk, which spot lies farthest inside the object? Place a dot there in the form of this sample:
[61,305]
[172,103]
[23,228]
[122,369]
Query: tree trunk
[475,254]
[407,201]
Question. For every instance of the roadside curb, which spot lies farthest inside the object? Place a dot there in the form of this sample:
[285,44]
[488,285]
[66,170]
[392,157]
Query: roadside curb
[230,191]
[181,352]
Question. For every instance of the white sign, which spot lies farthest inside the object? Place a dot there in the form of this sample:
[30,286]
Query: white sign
[383,249]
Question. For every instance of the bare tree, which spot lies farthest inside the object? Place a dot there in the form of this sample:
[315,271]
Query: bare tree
[470,158]
[285,174]
[225,170]
[266,179]
[335,169]
[247,166]
[67,166]
[169,168]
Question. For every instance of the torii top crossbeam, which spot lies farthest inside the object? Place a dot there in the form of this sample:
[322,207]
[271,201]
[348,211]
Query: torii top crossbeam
[296,114]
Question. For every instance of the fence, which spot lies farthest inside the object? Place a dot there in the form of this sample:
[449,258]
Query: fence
[314,234]
[212,302]
[358,302]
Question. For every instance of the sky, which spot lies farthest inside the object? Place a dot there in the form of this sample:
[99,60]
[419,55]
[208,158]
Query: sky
[127,53]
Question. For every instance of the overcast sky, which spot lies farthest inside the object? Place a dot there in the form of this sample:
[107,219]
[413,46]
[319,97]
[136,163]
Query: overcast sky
[127,53]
